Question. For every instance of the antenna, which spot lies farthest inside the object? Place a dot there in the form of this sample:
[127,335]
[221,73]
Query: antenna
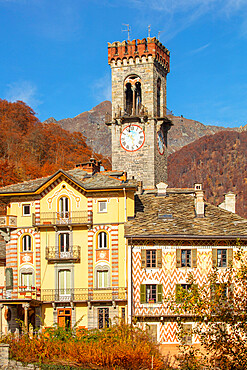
[128,30]
[159,34]
[149,30]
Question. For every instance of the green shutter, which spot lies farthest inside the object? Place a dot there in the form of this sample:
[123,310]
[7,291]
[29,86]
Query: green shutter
[214,257]
[229,257]
[143,258]
[159,295]
[159,258]
[178,289]
[178,258]
[143,293]
[194,257]
[9,278]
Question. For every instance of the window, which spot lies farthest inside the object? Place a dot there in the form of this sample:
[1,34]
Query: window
[102,240]
[152,331]
[102,206]
[64,283]
[158,96]
[26,210]
[64,243]
[123,314]
[220,291]
[9,278]
[27,280]
[64,207]
[151,258]
[222,257]
[102,278]
[151,293]
[186,335]
[133,95]
[103,318]
[186,258]
[181,290]
[26,243]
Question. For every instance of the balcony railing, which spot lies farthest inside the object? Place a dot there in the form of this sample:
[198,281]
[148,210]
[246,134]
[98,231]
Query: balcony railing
[65,295]
[63,218]
[8,221]
[71,253]
[84,294]
[22,292]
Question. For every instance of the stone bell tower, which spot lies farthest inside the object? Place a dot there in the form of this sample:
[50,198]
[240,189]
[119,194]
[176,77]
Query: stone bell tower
[139,122]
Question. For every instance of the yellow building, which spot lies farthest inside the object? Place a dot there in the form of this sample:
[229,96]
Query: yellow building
[66,256]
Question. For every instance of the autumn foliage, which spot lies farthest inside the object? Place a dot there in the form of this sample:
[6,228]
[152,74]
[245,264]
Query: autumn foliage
[217,161]
[31,149]
[117,347]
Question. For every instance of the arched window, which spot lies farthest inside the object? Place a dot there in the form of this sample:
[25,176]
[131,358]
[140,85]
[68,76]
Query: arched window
[26,242]
[102,240]
[64,207]
[158,96]
[133,95]
[102,277]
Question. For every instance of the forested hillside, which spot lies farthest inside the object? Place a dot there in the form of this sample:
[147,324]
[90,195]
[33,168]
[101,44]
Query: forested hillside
[31,149]
[217,161]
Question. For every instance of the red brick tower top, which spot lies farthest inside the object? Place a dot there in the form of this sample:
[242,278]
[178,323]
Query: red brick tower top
[126,50]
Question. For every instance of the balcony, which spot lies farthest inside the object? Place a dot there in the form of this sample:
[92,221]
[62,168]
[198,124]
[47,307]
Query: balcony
[72,254]
[84,295]
[21,293]
[8,221]
[63,218]
[92,295]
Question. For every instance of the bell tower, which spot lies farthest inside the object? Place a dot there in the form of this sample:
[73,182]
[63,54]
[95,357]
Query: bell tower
[139,122]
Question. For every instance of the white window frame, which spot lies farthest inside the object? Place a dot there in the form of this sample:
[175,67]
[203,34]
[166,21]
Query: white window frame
[102,242]
[102,202]
[28,246]
[23,208]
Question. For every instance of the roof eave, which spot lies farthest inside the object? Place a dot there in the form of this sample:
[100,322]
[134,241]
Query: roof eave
[187,237]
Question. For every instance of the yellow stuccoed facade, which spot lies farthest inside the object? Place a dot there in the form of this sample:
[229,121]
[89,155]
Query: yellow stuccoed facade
[66,255]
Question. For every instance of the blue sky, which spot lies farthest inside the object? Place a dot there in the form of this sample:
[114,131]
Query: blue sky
[54,54]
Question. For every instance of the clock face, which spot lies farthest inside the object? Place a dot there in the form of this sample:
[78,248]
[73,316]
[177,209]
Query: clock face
[132,138]
[161,142]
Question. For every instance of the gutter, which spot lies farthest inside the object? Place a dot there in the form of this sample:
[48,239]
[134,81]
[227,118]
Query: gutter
[187,237]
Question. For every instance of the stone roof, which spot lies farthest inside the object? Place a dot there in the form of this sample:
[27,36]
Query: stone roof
[174,216]
[81,177]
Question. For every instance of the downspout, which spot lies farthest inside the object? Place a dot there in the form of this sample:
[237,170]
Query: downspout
[125,206]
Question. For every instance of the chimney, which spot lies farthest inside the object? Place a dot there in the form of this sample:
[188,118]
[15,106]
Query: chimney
[199,201]
[229,202]
[161,189]
[91,167]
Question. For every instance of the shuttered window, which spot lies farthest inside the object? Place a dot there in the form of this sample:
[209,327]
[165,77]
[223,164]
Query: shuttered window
[186,258]
[222,257]
[151,293]
[9,278]
[151,258]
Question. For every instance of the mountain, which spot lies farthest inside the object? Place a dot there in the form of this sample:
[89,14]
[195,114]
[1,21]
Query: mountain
[98,135]
[217,161]
[92,125]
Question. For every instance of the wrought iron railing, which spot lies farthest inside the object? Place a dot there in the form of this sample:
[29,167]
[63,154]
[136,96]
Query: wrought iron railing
[63,218]
[8,221]
[65,295]
[72,252]
[84,294]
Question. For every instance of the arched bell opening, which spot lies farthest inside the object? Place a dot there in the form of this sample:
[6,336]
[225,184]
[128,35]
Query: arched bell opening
[133,95]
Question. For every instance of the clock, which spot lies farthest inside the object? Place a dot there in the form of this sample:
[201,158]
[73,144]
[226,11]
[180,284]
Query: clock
[160,142]
[132,138]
